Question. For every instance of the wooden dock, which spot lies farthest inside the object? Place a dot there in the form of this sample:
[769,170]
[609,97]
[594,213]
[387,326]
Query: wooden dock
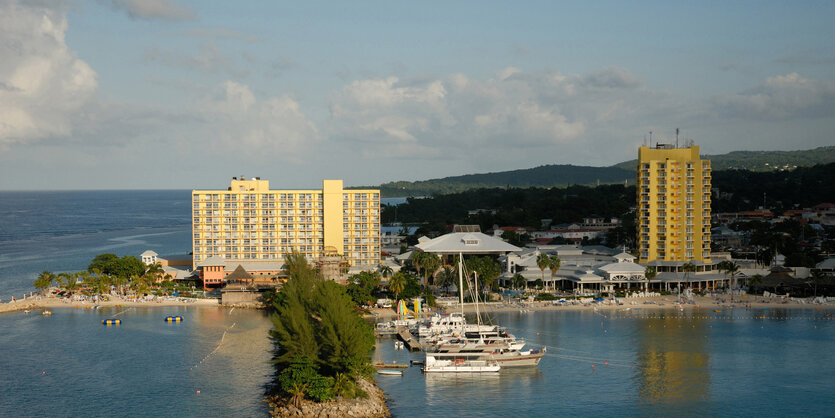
[390,366]
[411,342]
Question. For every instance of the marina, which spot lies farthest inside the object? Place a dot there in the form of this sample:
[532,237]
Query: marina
[649,363]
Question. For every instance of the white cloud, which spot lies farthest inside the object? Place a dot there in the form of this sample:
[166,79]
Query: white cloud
[153,9]
[42,83]
[781,97]
[454,114]
[274,128]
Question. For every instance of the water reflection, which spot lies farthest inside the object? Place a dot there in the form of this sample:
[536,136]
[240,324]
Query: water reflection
[673,360]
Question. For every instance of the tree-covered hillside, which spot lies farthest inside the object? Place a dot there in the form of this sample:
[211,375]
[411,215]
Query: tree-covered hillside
[763,161]
[566,175]
[543,176]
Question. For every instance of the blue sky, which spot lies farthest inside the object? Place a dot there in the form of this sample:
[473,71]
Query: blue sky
[124,94]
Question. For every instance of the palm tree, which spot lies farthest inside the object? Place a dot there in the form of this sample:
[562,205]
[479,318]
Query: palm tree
[650,272]
[44,280]
[385,271]
[446,278]
[430,263]
[154,272]
[519,281]
[554,265]
[417,260]
[396,284]
[542,261]
[687,268]
[732,269]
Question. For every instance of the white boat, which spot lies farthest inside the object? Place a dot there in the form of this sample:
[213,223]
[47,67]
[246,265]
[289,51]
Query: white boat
[449,323]
[458,363]
[390,372]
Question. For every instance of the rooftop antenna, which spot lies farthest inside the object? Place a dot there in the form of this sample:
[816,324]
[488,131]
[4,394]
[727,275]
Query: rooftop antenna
[676,138]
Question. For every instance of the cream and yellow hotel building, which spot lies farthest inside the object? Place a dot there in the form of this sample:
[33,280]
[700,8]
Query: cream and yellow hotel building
[673,204]
[249,222]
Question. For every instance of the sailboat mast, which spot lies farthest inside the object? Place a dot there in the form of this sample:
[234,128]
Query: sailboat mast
[461,282]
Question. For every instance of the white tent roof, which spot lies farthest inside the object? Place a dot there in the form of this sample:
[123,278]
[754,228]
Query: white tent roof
[466,243]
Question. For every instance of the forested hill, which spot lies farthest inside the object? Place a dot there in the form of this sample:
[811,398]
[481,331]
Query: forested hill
[763,161]
[566,175]
[543,176]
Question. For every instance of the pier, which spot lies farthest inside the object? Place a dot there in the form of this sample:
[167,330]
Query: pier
[411,342]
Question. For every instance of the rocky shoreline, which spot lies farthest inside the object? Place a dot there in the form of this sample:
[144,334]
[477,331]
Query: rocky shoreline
[374,406]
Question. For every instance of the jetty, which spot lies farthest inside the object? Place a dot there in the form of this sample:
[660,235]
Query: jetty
[411,342]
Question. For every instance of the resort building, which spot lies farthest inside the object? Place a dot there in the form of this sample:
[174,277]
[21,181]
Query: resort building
[253,224]
[673,205]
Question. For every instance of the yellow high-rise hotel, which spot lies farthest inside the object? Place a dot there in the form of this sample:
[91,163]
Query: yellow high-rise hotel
[249,222]
[673,204]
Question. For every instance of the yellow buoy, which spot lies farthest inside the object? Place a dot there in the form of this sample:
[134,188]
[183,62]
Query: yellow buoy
[111,321]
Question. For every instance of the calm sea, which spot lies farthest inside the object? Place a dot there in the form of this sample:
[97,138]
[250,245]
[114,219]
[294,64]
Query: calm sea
[738,364]
[741,363]
[63,231]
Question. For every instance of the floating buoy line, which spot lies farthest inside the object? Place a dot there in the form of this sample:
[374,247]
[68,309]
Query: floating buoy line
[222,337]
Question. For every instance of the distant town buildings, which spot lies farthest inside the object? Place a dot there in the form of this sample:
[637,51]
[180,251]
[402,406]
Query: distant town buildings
[250,224]
[673,204]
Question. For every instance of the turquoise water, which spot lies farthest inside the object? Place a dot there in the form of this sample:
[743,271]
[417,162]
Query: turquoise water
[667,364]
[69,364]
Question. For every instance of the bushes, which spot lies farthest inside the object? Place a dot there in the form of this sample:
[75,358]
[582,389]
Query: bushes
[545,296]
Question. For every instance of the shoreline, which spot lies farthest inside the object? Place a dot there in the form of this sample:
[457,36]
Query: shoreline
[47,303]
[720,302]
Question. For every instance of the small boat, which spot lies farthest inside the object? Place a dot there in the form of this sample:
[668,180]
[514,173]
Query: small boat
[390,372]
[26,311]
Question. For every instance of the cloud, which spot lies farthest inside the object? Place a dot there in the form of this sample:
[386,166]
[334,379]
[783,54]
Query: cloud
[236,121]
[208,59]
[781,97]
[436,117]
[152,9]
[42,83]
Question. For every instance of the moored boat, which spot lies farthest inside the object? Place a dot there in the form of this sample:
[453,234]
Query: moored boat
[458,363]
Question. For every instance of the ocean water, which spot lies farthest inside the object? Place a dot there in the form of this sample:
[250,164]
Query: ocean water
[63,231]
[702,363]
[69,364]
[731,364]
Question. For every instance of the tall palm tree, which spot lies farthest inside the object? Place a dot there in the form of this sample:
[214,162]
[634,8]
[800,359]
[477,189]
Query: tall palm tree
[396,284]
[430,263]
[554,265]
[417,260]
[542,261]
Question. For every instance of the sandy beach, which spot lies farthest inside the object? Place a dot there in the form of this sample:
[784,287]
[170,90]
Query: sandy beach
[40,303]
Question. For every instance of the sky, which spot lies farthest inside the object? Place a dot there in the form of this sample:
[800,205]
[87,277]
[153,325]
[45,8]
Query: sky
[180,94]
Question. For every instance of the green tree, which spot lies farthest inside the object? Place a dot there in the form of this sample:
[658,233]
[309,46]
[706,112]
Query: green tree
[650,272]
[300,379]
[488,270]
[417,260]
[397,284]
[385,271]
[554,265]
[543,261]
[519,281]
[430,264]
[361,287]
[446,278]
[154,272]
[44,280]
